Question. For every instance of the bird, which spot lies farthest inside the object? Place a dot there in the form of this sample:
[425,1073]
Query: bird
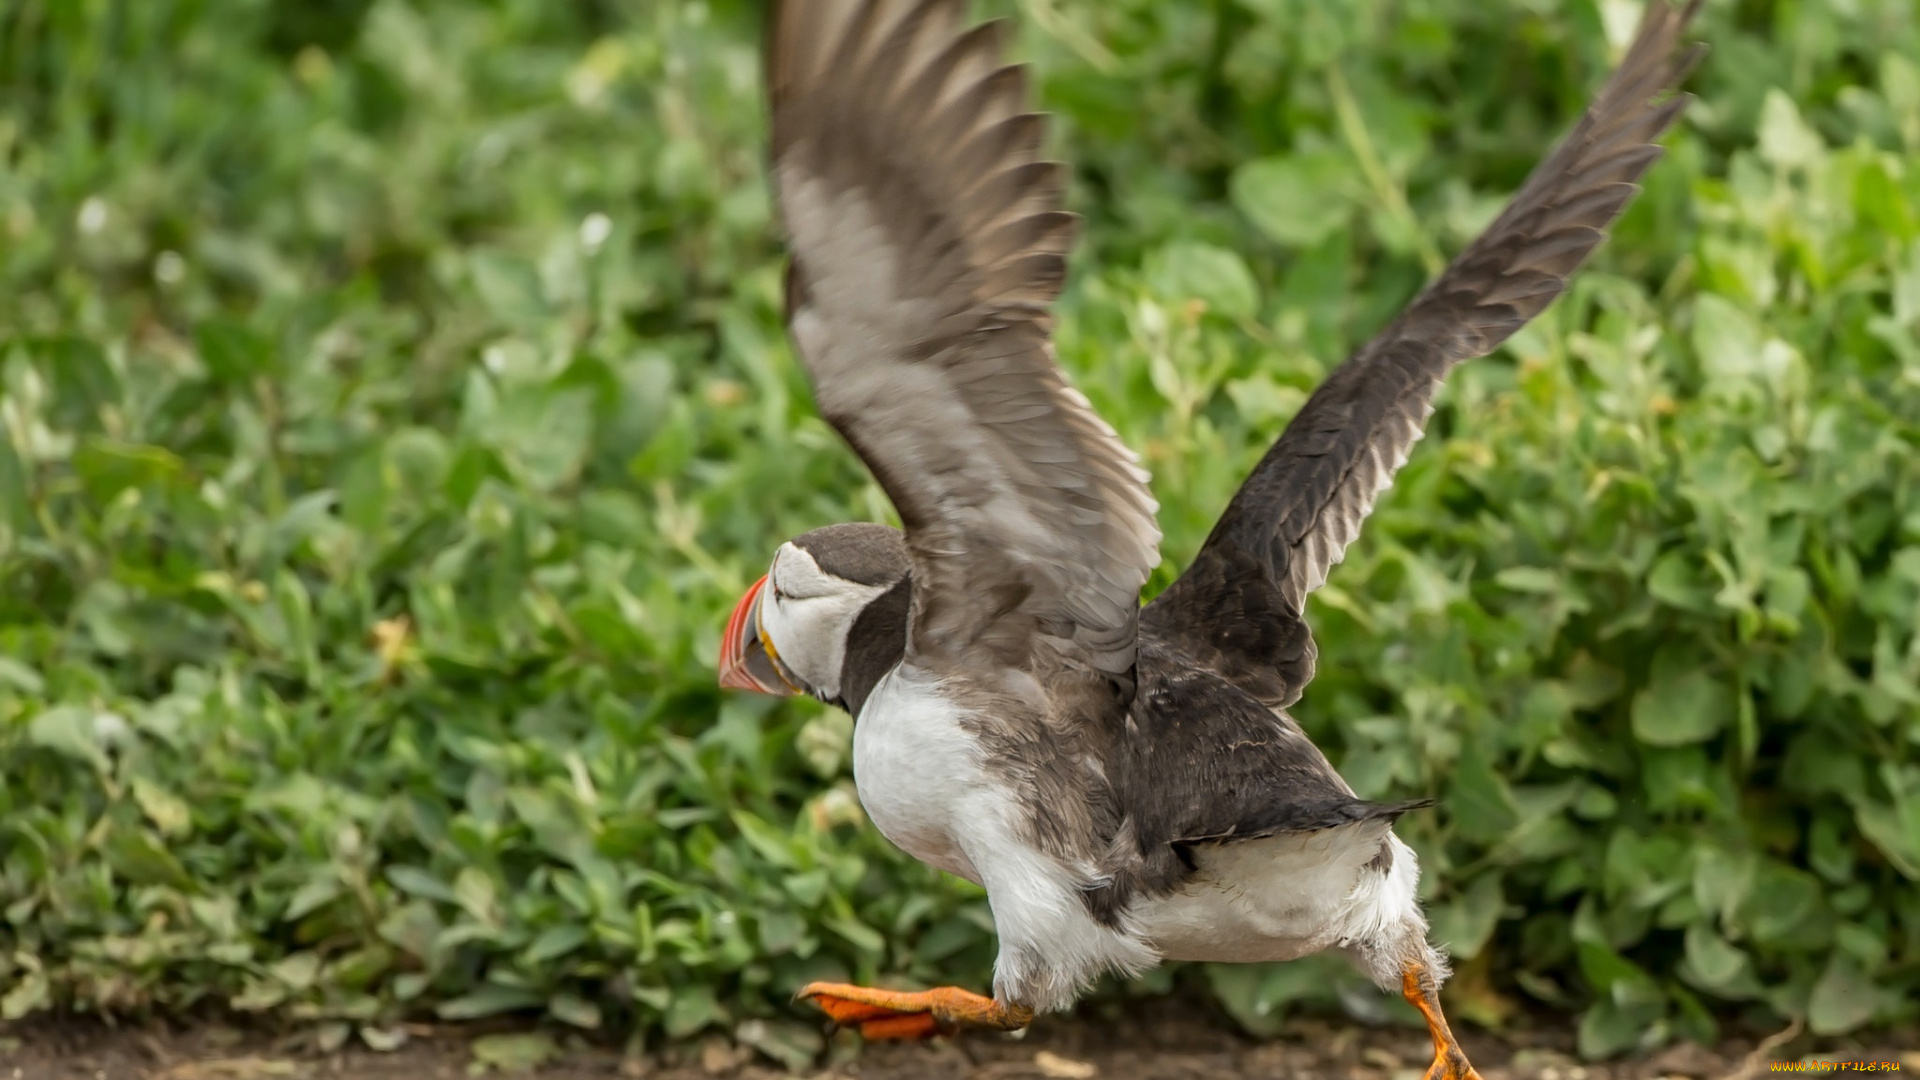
[1125,781]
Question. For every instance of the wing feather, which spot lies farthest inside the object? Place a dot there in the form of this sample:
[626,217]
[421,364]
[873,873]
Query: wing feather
[1240,606]
[928,240]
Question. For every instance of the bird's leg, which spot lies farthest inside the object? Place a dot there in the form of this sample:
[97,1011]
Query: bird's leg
[898,1014]
[1422,991]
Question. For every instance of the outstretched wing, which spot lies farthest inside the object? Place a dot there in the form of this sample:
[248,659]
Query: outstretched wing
[1239,607]
[928,240]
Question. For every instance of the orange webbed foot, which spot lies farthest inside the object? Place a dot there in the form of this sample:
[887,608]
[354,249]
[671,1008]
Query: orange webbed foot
[1451,1064]
[900,1014]
[1422,992]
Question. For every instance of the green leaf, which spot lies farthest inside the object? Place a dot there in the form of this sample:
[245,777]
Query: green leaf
[1219,278]
[1897,835]
[861,936]
[1261,996]
[1297,200]
[383,1040]
[575,1010]
[295,610]
[1530,579]
[232,351]
[1479,800]
[1682,706]
[544,433]
[1785,139]
[1609,1028]
[783,931]
[1715,964]
[508,288]
[1677,582]
[1463,924]
[1722,880]
[796,1046]
[84,382]
[1843,999]
[1611,974]
[477,894]
[1732,352]
[108,468]
[415,929]
[298,971]
[142,859]
[16,495]
[556,830]
[30,993]
[513,1052]
[691,1009]
[773,845]
[556,941]
[319,890]
[1784,901]
[18,676]
[490,999]
[70,730]
[166,810]
[419,882]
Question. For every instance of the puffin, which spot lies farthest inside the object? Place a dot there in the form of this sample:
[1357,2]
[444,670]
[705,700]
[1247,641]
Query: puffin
[1124,781]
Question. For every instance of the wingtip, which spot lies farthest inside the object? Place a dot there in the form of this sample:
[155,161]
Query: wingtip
[1688,61]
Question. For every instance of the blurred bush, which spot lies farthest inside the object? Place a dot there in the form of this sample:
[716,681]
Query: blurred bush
[394,401]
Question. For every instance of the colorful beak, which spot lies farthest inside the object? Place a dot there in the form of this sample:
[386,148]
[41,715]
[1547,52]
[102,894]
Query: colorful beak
[745,663]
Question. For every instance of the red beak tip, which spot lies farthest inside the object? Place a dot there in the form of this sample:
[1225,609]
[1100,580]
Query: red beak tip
[735,676]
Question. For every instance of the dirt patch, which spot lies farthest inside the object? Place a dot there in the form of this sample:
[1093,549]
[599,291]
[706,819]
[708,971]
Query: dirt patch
[1168,1042]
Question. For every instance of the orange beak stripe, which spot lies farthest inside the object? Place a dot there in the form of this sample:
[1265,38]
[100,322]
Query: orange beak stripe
[747,660]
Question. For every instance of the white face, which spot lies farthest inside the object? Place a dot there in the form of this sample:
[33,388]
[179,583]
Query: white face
[807,615]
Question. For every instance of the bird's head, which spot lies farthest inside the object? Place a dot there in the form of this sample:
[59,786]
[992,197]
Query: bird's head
[829,618]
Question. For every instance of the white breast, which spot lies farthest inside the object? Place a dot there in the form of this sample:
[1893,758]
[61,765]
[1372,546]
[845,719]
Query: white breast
[915,768]
[921,780]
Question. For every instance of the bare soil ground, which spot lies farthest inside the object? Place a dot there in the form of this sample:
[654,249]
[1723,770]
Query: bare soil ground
[1168,1042]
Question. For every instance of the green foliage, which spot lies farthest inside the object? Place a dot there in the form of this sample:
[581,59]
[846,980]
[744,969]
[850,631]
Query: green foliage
[394,401]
